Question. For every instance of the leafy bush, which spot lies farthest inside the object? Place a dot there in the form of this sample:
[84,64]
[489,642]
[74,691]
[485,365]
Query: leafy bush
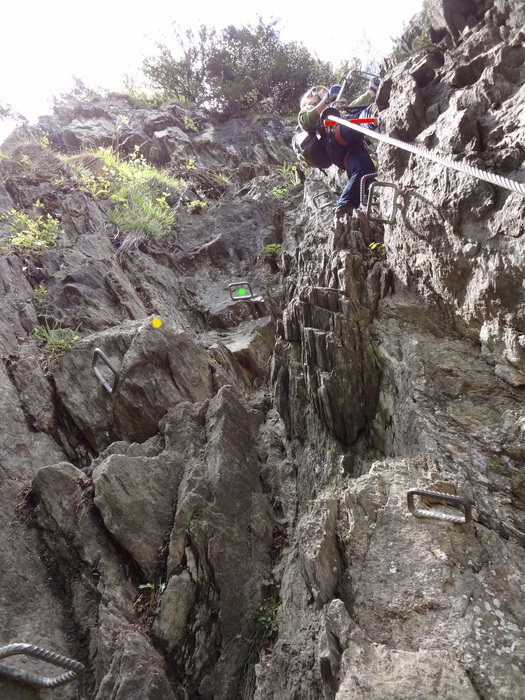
[189,124]
[235,69]
[30,233]
[273,250]
[422,42]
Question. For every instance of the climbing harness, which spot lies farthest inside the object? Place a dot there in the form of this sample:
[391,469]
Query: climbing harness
[20,674]
[440,158]
[97,352]
[456,501]
[240,291]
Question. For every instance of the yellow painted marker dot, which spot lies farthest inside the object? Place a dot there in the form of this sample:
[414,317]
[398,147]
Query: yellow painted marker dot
[156,323]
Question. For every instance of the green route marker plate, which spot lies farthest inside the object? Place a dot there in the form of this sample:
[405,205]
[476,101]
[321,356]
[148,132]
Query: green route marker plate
[240,291]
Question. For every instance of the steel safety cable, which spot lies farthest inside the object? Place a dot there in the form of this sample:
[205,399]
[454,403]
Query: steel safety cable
[440,158]
[34,679]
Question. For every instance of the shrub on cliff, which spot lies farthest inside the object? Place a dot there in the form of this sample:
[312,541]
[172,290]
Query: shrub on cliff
[235,69]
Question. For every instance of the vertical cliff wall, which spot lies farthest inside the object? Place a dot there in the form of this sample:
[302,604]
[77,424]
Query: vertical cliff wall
[231,520]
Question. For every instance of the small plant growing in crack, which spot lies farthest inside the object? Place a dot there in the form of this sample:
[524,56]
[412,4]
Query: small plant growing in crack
[264,627]
[273,250]
[379,248]
[58,340]
[147,604]
[39,294]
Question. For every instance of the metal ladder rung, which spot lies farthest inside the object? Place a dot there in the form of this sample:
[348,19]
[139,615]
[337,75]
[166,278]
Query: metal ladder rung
[367,198]
[321,195]
[97,352]
[240,291]
[446,498]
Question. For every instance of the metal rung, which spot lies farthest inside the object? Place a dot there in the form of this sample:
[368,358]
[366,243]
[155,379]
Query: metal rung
[364,73]
[456,501]
[319,196]
[240,291]
[34,679]
[395,203]
[364,180]
[96,354]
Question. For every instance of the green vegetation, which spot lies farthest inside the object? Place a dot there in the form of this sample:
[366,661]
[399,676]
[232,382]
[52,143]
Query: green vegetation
[147,604]
[422,42]
[273,250]
[29,158]
[141,97]
[30,233]
[141,214]
[264,629]
[138,191]
[7,112]
[378,247]
[290,178]
[189,124]
[196,206]
[235,68]
[222,177]
[39,294]
[58,340]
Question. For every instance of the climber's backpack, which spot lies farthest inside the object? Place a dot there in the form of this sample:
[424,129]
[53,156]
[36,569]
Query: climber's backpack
[309,149]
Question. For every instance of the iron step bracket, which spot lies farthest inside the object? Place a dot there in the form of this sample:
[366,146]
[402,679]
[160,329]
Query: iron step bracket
[456,501]
[364,180]
[20,674]
[367,197]
[320,196]
[364,74]
[240,291]
[97,352]
[395,202]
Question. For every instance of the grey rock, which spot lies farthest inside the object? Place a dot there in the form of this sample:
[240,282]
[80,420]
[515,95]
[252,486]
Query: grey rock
[125,489]
[320,559]
[253,464]
[177,601]
[136,672]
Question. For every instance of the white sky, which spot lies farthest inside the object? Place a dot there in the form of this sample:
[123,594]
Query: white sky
[45,43]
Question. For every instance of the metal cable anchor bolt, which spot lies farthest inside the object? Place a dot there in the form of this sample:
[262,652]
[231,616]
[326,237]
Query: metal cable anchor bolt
[455,501]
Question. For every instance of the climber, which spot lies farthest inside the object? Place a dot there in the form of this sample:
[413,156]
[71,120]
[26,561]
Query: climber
[344,147]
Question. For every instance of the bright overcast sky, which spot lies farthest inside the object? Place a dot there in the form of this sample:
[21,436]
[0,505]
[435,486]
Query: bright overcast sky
[44,44]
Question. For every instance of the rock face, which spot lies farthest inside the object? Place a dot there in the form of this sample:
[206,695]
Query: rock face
[231,520]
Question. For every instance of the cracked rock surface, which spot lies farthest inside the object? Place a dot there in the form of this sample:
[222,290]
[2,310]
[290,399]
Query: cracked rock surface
[231,520]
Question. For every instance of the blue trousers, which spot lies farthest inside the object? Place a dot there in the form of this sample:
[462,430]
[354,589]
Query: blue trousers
[345,148]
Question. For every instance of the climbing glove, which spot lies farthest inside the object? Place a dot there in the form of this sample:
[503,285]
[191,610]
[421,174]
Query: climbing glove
[331,95]
[374,84]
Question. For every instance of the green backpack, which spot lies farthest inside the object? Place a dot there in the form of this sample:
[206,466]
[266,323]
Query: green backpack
[309,149]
